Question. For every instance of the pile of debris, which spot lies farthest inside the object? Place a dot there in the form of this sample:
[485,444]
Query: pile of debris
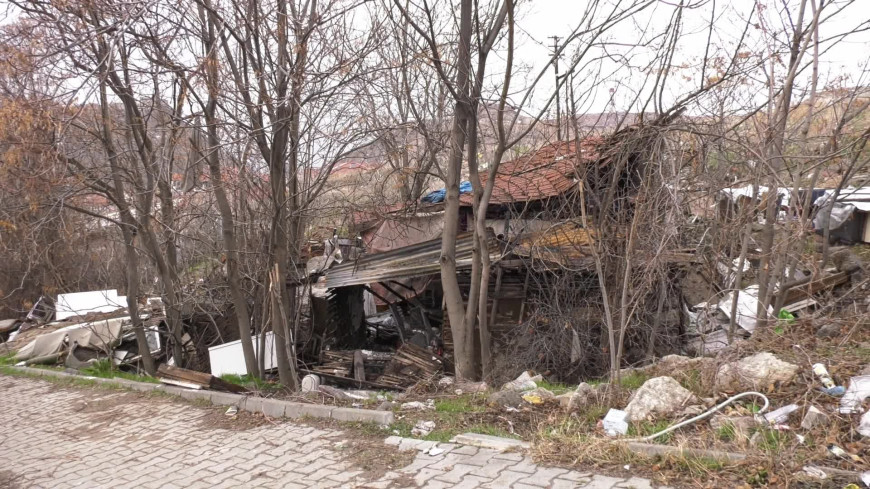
[709,322]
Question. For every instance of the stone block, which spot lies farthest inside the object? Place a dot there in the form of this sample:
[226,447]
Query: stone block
[383,418]
[299,410]
[252,404]
[196,395]
[273,408]
[225,399]
[488,441]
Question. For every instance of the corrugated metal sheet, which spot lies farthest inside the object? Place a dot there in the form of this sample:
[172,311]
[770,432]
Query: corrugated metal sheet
[565,244]
[411,261]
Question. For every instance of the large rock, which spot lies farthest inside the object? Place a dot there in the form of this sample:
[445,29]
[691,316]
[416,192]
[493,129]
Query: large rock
[506,399]
[538,396]
[754,372]
[578,398]
[659,397]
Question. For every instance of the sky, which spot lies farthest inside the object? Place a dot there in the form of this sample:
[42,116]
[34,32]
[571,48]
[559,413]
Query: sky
[541,19]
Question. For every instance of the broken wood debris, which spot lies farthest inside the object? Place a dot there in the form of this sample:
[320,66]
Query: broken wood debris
[411,364]
[193,379]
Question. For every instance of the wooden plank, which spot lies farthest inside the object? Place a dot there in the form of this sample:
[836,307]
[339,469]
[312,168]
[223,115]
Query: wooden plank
[202,379]
[359,372]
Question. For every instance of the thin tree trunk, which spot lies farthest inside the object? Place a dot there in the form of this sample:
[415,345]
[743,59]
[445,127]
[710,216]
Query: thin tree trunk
[234,281]
[452,295]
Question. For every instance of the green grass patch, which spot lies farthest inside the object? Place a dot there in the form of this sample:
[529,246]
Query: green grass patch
[557,388]
[461,404]
[771,440]
[692,380]
[697,466]
[251,383]
[592,414]
[727,432]
[105,370]
[7,359]
[646,428]
[633,380]
[402,428]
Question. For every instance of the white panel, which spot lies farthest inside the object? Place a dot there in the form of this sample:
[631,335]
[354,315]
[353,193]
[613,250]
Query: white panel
[82,303]
[866,238]
[229,358]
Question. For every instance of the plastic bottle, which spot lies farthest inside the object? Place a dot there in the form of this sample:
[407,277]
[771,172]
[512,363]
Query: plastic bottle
[823,375]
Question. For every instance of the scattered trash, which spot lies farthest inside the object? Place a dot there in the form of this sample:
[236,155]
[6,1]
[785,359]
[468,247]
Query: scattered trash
[780,415]
[840,453]
[864,426]
[813,418]
[865,478]
[823,375]
[815,472]
[859,389]
[525,382]
[232,411]
[429,405]
[851,486]
[801,439]
[616,422]
[435,451]
[830,387]
[446,381]
[423,428]
[310,383]
[626,467]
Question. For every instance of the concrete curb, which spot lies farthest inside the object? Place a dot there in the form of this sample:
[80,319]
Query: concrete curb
[491,442]
[650,450]
[273,408]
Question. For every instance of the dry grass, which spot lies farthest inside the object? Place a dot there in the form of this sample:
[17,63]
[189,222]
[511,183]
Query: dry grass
[774,459]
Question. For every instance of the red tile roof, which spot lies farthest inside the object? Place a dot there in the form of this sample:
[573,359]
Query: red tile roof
[547,172]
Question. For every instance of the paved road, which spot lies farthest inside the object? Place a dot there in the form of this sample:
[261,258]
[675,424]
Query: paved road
[57,437]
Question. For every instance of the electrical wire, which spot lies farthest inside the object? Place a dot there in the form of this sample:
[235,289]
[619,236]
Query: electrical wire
[708,413]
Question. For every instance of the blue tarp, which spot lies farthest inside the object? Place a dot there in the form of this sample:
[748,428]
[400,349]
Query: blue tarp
[439,195]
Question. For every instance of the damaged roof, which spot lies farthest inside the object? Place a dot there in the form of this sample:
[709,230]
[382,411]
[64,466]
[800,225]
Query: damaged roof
[410,261]
[544,173]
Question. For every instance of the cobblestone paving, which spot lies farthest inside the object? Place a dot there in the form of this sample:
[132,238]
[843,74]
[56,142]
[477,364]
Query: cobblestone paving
[58,437]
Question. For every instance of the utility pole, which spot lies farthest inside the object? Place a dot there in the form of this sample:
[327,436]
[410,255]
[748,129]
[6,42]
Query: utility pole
[556,67]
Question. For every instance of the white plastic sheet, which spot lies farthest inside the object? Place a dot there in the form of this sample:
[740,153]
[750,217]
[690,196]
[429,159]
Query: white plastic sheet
[82,303]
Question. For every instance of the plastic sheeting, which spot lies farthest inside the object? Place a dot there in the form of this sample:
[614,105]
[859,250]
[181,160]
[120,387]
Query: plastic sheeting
[82,303]
[441,194]
[96,334]
[747,307]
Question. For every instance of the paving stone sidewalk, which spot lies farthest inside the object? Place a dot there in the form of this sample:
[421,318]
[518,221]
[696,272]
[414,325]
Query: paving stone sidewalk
[57,437]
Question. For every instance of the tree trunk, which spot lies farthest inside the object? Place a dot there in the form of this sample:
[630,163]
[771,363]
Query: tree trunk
[132,258]
[234,281]
[452,295]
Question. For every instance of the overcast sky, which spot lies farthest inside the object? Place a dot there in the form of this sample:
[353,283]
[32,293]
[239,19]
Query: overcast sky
[543,18]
